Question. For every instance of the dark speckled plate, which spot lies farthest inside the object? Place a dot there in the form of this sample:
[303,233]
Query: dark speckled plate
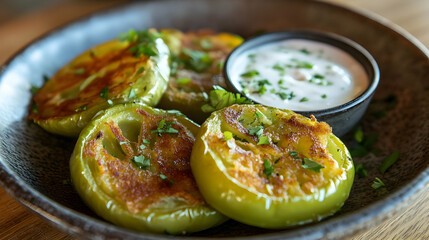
[34,163]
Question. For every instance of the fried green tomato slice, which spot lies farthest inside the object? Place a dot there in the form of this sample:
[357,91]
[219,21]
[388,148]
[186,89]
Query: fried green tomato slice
[131,165]
[270,168]
[132,70]
[196,65]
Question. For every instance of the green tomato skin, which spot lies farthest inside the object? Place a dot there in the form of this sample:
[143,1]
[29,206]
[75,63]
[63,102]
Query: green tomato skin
[148,90]
[84,174]
[240,203]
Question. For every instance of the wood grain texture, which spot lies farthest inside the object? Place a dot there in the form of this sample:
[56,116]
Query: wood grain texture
[17,222]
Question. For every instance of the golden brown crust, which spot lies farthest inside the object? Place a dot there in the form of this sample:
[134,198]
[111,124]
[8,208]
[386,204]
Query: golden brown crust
[61,96]
[169,156]
[308,138]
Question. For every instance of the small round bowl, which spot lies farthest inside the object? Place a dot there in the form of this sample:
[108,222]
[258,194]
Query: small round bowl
[342,118]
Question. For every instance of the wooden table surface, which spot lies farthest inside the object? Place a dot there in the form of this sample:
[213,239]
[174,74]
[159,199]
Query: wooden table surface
[17,222]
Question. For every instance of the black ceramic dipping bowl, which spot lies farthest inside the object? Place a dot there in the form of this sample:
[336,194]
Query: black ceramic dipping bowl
[341,118]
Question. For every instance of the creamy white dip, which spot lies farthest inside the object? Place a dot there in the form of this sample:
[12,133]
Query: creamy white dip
[299,75]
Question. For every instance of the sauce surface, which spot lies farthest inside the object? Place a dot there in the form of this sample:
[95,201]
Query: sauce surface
[299,75]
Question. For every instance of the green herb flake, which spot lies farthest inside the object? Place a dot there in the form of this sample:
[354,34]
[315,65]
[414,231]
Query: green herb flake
[378,183]
[79,71]
[35,108]
[278,68]
[264,140]
[281,81]
[305,51]
[142,147]
[361,171]
[163,177]
[81,108]
[324,96]
[294,154]
[268,168]
[256,131]
[304,99]
[104,93]
[196,60]
[389,161]
[140,70]
[183,81]
[251,73]
[142,162]
[251,55]
[358,135]
[286,96]
[227,135]
[164,127]
[258,114]
[34,89]
[206,44]
[145,141]
[311,165]
[319,76]
[306,65]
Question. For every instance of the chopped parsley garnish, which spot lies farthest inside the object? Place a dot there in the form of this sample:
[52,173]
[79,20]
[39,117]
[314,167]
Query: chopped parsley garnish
[389,161]
[251,73]
[35,108]
[227,135]
[132,94]
[294,154]
[142,162]
[145,41]
[263,140]
[262,90]
[286,96]
[258,113]
[34,89]
[79,71]
[183,81]
[377,183]
[306,65]
[104,93]
[268,168]
[281,81]
[196,60]
[163,177]
[251,55]
[311,165]
[206,44]
[358,135]
[145,141]
[319,76]
[220,98]
[164,127]
[279,68]
[256,131]
[81,108]
[304,99]
[140,70]
[361,171]
[305,51]
[142,147]
[307,163]
[324,96]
